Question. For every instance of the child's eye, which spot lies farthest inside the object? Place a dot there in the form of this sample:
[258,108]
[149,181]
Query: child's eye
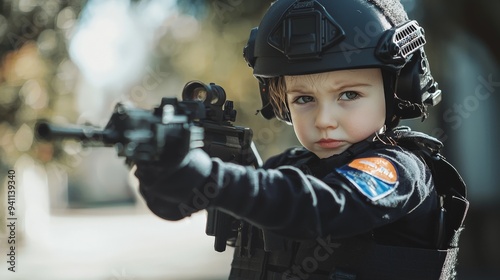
[349,95]
[303,99]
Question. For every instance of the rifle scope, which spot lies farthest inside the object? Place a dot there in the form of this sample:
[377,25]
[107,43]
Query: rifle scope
[210,94]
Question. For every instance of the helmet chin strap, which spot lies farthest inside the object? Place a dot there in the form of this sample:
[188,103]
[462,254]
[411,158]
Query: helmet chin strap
[288,116]
[390,79]
[408,110]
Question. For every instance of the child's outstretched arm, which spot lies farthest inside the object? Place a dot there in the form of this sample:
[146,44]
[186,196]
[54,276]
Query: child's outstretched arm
[286,200]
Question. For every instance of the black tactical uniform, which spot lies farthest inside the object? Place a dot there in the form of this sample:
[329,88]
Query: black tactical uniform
[371,212]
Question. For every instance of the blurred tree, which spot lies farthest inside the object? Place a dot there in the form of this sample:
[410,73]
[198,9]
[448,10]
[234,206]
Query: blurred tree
[32,46]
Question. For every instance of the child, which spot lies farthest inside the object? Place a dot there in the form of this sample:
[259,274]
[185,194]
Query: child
[361,199]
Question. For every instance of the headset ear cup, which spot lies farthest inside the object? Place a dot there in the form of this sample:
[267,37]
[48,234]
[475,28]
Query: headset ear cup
[408,86]
[416,88]
[267,110]
[413,88]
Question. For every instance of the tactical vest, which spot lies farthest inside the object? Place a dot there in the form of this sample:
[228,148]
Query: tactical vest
[260,254]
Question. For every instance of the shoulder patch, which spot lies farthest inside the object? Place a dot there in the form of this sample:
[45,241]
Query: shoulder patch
[374,177]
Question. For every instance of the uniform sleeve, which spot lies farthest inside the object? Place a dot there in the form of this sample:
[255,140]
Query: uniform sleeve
[291,203]
[350,200]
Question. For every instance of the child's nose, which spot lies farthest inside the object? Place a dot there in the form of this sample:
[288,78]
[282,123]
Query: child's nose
[325,118]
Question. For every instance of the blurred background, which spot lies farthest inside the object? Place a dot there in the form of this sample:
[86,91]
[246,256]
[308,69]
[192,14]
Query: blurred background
[78,212]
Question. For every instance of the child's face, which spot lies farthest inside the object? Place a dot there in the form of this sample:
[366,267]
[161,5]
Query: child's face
[331,111]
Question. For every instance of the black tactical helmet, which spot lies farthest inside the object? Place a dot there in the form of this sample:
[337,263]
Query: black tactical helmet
[297,37]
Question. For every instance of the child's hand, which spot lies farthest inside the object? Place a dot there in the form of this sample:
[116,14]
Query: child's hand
[175,183]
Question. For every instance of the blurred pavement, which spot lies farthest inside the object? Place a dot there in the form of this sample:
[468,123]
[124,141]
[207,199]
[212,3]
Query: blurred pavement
[117,244]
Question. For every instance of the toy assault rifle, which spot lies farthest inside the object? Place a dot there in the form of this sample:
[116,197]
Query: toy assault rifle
[204,115]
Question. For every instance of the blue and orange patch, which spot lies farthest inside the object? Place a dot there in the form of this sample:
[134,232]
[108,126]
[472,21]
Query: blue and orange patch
[374,177]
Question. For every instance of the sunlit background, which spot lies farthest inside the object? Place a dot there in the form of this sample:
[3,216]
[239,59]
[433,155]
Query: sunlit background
[67,61]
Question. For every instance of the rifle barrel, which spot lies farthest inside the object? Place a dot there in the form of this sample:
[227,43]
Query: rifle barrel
[47,131]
